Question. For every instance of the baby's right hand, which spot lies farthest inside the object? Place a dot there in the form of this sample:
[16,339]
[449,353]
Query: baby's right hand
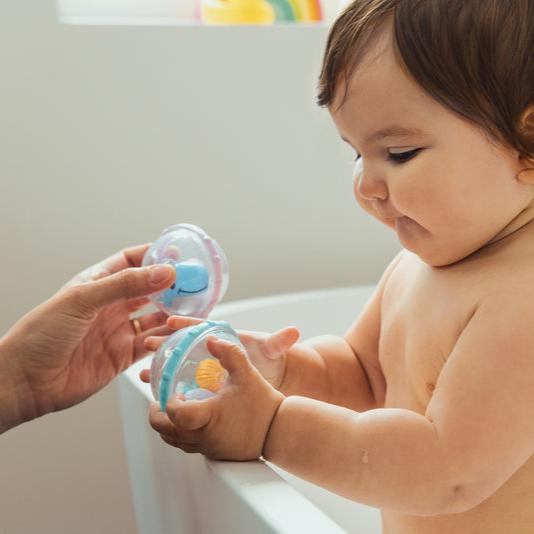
[267,352]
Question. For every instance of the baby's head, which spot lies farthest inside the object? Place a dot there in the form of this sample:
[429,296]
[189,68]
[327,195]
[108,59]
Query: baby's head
[437,99]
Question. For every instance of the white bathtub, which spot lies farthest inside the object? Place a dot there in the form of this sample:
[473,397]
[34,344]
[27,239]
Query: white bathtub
[180,493]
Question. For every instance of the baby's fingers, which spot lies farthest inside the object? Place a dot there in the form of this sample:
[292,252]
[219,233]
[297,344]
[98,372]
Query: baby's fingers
[280,342]
[186,447]
[270,345]
[232,357]
[162,424]
[190,415]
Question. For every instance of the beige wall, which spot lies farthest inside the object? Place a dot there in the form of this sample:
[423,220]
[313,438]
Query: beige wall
[107,135]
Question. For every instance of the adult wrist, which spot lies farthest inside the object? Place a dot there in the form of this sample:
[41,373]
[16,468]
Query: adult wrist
[13,409]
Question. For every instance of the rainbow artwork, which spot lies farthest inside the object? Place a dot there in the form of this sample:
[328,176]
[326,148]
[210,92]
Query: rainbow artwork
[260,11]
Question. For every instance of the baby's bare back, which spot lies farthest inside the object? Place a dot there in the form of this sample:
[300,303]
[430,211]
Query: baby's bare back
[424,310]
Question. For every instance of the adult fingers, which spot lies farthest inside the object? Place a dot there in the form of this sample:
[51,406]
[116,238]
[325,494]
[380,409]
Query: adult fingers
[153,343]
[140,348]
[128,257]
[136,304]
[151,320]
[177,322]
[126,284]
[144,375]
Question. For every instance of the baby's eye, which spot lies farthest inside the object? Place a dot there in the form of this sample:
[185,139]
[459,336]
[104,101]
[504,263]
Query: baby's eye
[403,157]
[357,157]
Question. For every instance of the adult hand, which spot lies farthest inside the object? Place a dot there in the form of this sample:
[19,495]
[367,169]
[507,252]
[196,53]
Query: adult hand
[72,345]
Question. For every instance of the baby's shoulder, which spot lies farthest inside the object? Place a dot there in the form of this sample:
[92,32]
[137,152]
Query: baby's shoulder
[456,290]
[501,275]
[408,282]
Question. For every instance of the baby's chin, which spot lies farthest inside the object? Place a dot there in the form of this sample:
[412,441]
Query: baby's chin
[433,251]
[409,231]
[417,239]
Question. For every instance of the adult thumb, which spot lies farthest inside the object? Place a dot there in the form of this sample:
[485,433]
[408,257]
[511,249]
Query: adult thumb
[126,284]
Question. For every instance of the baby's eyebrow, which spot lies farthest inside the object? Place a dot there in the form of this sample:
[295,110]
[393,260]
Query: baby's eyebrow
[390,131]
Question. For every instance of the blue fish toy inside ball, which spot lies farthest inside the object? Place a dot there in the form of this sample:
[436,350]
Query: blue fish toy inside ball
[201,270]
[190,280]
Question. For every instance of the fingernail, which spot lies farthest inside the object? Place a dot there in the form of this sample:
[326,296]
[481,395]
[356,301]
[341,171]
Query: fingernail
[159,273]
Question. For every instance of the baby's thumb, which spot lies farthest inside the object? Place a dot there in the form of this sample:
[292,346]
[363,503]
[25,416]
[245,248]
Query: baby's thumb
[126,284]
[280,342]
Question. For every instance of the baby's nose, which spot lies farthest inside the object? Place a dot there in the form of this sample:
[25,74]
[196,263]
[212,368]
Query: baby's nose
[369,187]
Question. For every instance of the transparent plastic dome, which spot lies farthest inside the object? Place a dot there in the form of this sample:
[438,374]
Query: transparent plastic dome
[202,272]
[183,365]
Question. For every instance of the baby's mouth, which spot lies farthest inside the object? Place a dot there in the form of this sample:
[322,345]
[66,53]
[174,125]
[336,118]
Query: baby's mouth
[386,216]
[405,224]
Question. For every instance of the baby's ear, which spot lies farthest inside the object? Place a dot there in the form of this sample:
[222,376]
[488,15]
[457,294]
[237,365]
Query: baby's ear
[526,175]
[526,122]
[526,127]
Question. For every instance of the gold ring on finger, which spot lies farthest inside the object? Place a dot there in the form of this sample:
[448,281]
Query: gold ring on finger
[137,327]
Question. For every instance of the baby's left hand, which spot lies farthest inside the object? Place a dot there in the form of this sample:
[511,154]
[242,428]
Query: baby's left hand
[233,424]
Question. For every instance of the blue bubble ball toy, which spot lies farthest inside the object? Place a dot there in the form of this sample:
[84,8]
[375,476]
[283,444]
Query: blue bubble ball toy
[201,266]
[183,365]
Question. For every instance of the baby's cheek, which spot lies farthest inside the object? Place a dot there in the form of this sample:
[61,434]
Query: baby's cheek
[419,202]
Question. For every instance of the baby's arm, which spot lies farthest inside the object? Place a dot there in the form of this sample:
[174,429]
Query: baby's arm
[478,428]
[342,370]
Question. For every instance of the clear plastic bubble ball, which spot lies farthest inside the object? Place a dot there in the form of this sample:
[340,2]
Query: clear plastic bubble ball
[201,270]
[183,365]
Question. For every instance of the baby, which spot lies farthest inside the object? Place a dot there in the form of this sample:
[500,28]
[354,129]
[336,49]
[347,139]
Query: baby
[425,408]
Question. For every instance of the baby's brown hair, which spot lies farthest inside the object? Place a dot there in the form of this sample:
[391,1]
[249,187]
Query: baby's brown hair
[475,57]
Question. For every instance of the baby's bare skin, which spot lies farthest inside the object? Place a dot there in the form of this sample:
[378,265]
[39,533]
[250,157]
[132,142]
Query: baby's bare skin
[424,408]
[444,440]
[423,311]
[437,373]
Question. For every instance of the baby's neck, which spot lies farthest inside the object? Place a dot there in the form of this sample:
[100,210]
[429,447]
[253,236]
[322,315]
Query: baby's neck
[518,225]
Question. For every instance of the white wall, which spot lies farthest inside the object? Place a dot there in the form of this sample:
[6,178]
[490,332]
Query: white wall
[107,135]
